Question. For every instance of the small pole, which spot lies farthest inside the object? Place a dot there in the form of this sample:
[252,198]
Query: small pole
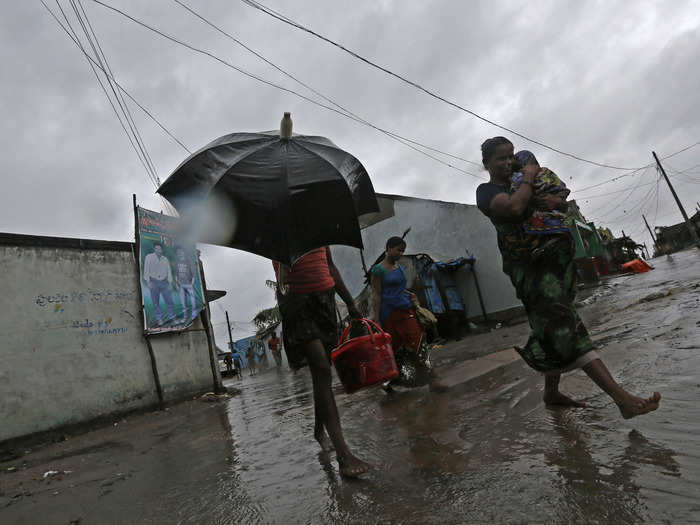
[478,291]
[230,337]
[146,336]
[209,332]
[653,238]
[689,225]
[364,264]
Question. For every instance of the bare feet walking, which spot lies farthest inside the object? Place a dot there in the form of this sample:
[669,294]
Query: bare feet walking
[637,406]
[352,467]
[561,400]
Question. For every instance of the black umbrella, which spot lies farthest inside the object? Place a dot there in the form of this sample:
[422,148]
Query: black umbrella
[278,195]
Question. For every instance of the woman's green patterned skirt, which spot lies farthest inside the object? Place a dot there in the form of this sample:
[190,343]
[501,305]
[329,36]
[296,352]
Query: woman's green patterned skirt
[547,288]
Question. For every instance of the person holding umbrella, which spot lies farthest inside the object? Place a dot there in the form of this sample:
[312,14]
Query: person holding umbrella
[286,197]
[306,297]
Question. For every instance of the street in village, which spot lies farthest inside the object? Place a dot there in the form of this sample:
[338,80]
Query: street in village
[487,451]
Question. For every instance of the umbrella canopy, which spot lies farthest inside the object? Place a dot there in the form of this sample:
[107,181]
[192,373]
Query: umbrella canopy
[279,197]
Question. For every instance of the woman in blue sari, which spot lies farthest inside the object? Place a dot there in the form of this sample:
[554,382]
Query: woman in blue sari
[393,308]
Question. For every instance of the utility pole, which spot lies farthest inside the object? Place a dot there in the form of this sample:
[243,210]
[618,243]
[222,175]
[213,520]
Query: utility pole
[650,233]
[230,338]
[691,228]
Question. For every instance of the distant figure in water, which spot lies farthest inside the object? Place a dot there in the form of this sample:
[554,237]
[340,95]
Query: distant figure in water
[559,341]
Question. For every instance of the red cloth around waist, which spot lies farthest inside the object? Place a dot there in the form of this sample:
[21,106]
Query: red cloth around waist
[309,274]
[405,330]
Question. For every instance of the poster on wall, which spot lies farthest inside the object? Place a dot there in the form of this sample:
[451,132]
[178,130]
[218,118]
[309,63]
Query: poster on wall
[171,285]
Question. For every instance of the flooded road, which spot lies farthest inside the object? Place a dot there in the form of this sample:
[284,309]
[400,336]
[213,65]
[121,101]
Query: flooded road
[489,451]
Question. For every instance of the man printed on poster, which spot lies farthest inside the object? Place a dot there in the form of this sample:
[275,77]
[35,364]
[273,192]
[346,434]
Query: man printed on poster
[168,264]
[158,276]
[185,277]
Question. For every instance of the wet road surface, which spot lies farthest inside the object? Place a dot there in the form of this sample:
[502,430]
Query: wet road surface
[489,451]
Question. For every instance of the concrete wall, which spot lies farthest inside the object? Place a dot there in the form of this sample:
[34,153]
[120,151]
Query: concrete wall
[71,343]
[444,230]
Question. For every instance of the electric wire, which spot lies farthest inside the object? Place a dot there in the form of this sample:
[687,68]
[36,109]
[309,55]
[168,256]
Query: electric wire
[102,59]
[315,91]
[289,21]
[94,64]
[121,88]
[597,213]
[272,84]
[74,36]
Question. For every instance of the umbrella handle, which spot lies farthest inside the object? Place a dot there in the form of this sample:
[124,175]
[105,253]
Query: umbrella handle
[286,126]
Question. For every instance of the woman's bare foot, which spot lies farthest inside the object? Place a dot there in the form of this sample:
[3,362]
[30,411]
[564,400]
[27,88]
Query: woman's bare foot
[559,399]
[636,406]
[352,467]
[324,441]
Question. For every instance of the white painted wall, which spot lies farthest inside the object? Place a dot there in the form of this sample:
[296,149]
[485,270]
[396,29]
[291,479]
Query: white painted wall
[444,230]
[71,343]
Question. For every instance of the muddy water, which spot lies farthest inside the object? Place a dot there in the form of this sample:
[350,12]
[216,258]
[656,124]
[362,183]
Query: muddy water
[487,452]
[492,452]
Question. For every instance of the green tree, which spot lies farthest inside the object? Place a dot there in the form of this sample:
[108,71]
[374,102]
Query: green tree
[268,316]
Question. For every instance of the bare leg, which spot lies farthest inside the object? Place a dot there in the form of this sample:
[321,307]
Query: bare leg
[327,412]
[320,432]
[552,396]
[629,405]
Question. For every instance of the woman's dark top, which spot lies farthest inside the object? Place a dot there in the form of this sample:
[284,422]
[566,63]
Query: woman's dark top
[513,242]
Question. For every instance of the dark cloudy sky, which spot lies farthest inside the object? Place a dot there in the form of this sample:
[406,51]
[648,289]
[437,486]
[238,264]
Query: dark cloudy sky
[608,81]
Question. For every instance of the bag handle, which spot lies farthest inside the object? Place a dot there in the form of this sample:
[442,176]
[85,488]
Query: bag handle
[369,324]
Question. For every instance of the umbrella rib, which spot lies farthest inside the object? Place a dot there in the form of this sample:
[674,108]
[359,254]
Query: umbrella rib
[205,150]
[327,161]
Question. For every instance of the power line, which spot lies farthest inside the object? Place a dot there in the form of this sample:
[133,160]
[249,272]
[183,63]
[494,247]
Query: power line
[617,204]
[272,84]
[681,151]
[74,36]
[607,194]
[391,134]
[289,21]
[102,59]
[121,88]
[613,179]
[111,79]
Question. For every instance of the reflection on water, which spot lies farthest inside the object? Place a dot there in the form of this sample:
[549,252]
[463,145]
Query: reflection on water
[491,454]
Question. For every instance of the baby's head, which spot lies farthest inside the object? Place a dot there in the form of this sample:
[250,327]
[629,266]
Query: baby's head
[523,158]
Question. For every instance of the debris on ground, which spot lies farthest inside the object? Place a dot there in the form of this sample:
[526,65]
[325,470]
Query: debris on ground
[656,295]
[211,397]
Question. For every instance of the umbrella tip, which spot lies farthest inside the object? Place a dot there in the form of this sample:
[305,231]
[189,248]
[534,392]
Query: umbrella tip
[286,126]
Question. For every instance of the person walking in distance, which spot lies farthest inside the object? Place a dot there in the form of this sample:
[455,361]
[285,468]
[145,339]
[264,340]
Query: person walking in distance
[159,278]
[306,298]
[274,345]
[184,277]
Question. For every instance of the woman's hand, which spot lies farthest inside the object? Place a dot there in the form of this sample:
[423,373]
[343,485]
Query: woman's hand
[529,172]
[354,312]
[549,202]
[412,296]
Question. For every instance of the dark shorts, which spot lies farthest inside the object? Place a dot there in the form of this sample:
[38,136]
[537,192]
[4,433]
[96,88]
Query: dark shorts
[306,317]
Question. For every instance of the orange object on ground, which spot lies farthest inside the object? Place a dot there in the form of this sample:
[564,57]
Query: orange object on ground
[366,360]
[636,266]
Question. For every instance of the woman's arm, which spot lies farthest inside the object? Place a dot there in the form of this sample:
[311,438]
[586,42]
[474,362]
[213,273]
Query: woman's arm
[504,206]
[341,289]
[376,283]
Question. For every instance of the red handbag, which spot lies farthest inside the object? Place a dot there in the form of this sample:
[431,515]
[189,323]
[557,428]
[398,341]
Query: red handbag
[365,360]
